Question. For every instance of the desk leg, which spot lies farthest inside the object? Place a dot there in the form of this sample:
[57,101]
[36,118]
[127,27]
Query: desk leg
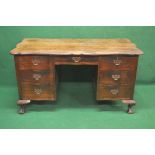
[22,104]
[130,104]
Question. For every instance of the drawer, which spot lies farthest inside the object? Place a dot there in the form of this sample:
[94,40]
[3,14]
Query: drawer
[37,91]
[32,62]
[76,60]
[117,77]
[108,92]
[35,76]
[118,62]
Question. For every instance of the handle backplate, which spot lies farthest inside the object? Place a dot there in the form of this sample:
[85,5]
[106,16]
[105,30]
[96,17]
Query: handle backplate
[37,76]
[76,59]
[116,76]
[114,91]
[117,61]
[35,61]
[37,91]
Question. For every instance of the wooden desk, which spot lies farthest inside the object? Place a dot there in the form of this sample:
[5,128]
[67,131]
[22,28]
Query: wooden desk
[36,59]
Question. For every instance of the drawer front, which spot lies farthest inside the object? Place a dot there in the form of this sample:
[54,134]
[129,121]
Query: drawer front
[35,76]
[37,91]
[75,60]
[32,62]
[118,62]
[108,92]
[111,77]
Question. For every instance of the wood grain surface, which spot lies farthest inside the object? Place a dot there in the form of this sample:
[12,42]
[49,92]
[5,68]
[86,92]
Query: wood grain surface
[76,47]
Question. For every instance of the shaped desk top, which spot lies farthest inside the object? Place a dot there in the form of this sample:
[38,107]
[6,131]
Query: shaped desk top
[38,46]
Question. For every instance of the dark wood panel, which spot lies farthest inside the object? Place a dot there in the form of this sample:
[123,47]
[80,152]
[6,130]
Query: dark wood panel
[30,58]
[117,77]
[32,91]
[35,76]
[118,62]
[32,62]
[114,92]
[116,74]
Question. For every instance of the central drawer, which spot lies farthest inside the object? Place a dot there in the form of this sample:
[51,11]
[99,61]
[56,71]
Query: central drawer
[76,60]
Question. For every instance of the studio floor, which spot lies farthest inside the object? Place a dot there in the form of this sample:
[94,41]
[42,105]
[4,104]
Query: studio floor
[76,107]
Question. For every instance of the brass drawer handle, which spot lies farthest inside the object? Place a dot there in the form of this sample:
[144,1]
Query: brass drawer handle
[35,61]
[76,59]
[114,91]
[116,76]
[117,61]
[37,91]
[37,76]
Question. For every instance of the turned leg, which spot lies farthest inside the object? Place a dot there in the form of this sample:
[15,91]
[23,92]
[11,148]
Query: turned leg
[130,104]
[22,104]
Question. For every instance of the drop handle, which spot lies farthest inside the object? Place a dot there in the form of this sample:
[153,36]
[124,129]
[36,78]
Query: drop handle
[37,76]
[76,59]
[116,77]
[37,91]
[35,61]
[117,61]
[114,91]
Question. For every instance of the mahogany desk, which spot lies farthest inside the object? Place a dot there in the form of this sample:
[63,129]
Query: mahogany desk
[35,61]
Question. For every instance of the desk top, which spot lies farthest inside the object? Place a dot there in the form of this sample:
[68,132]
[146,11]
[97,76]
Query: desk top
[37,46]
